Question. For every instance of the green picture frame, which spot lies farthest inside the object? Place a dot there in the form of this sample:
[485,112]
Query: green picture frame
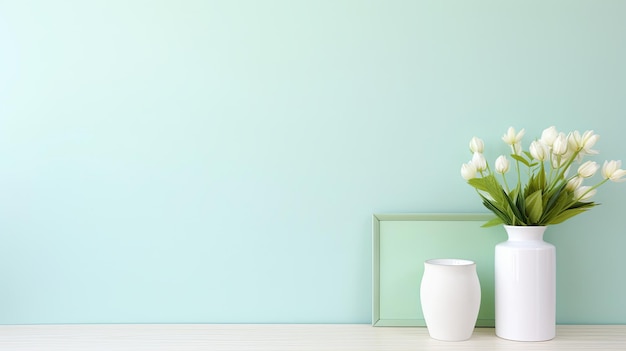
[402,242]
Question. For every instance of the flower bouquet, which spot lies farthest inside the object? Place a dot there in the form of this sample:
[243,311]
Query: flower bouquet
[544,192]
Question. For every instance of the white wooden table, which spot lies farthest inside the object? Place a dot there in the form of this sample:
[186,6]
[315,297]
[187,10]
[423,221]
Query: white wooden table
[293,337]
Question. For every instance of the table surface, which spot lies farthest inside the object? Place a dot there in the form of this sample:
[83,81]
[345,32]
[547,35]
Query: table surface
[293,337]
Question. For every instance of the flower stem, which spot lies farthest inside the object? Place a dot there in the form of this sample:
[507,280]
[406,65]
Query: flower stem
[508,190]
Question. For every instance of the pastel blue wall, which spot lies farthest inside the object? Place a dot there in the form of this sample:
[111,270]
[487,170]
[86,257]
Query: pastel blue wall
[219,161]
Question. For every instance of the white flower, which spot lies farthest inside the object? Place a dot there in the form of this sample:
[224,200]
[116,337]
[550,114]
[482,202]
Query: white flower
[559,147]
[583,143]
[511,138]
[514,139]
[479,161]
[540,171]
[502,164]
[538,150]
[548,136]
[476,145]
[584,193]
[588,169]
[574,183]
[468,171]
[589,140]
[611,170]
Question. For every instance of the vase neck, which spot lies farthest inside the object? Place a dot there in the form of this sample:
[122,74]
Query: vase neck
[525,233]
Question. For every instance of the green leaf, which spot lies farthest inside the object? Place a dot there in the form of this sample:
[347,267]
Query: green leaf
[536,182]
[520,204]
[490,185]
[479,183]
[584,205]
[514,209]
[513,193]
[561,201]
[521,159]
[541,178]
[501,213]
[493,222]
[553,197]
[567,214]
[534,206]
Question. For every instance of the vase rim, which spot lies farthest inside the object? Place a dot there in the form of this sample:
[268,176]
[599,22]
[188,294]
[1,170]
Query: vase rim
[450,262]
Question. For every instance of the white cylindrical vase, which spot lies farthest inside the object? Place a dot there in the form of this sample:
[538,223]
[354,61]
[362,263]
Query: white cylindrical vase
[525,285]
[450,298]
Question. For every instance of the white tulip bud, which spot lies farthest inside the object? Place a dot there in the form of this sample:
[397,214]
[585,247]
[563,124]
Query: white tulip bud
[611,170]
[559,147]
[468,171]
[479,161]
[587,169]
[548,136]
[584,193]
[574,183]
[512,138]
[476,145]
[502,164]
[538,150]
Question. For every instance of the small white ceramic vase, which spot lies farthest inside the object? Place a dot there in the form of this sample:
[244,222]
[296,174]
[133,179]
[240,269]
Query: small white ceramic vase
[450,297]
[525,281]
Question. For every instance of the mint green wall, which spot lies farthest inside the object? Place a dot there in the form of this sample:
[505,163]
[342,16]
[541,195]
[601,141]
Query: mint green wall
[219,161]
